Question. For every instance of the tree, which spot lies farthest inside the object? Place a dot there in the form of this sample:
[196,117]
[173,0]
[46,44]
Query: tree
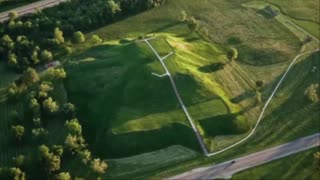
[96,39]
[69,110]
[57,73]
[50,161]
[74,143]
[34,57]
[30,76]
[62,176]
[34,105]
[78,37]
[12,90]
[57,150]
[193,24]
[13,15]
[183,16]
[50,106]
[12,59]
[85,156]
[67,50]
[7,42]
[39,134]
[99,166]
[113,8]
[12,173]
[232,54]
[46,56]
[17,132]
[19,160]
[259,84]
[73,127]
[44,88]
[58,35]
[312,93]
[44,151]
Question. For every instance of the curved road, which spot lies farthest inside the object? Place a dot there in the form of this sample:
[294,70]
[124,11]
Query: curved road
[30,8]
[227,169]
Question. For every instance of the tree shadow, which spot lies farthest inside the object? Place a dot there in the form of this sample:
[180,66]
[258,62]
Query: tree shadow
[243,96]
[110,145]
[212,67]
[268,12]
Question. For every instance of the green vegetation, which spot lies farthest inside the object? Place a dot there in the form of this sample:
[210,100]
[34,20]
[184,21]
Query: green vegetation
[297,166]
[6,5]
[303,10]
[123,120]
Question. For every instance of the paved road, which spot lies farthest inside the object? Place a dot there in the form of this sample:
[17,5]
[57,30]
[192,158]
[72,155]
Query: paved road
[266,105]
[195,130]
[227,169]
[30,8]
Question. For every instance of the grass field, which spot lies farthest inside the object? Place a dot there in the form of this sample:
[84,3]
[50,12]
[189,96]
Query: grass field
[131,115]
[123,99]
[304,10]
[283,121]
[303,21]
[297,166]
[136,108]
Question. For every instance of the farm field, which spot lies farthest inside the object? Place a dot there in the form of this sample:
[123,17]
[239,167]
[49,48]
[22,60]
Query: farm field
[129,114]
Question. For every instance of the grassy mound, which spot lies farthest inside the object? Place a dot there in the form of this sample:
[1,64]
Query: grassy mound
[132,111]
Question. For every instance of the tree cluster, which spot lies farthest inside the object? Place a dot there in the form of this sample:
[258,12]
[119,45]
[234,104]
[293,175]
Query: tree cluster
[38,38]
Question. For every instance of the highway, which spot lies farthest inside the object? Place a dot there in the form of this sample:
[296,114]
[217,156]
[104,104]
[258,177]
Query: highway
[30,8]
[229,168]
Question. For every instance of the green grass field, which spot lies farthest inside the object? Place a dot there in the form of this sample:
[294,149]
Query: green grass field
[138,110]
[304,10]
[297,166]
[133,118]
[282,122]
[123,99]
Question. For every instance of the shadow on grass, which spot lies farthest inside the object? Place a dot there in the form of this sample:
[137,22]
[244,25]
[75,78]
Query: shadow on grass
[110,145]
[167,26]
[212,67]
[243,96]
[228,124]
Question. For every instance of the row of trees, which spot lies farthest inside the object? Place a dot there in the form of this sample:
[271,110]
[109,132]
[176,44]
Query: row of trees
[42,108]
[40,37]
